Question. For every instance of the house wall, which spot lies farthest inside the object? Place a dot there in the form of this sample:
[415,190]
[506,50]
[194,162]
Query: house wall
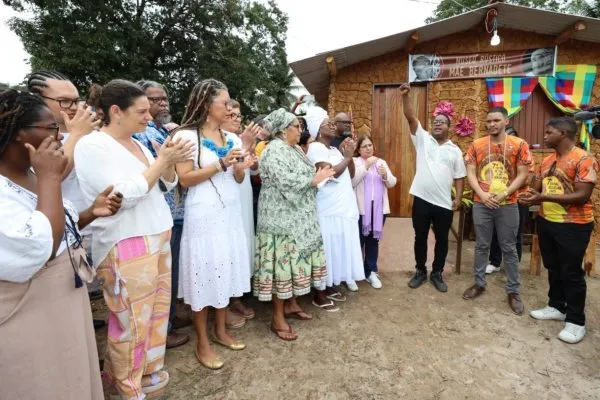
[354,84]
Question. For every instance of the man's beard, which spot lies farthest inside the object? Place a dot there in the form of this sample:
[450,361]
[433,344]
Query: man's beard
[163,119]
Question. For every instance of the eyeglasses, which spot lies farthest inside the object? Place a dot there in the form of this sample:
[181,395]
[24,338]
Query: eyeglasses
[64,103]
[236,116]
[345,122]
[439,122]
[227,104]
[159,99]
[366,146]
[54,128]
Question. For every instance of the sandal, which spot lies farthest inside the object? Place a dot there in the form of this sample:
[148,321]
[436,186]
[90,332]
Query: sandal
[278,332]
[301,315]
[337,296]
[157,384]
[234,325]
[329,307]
[248,313]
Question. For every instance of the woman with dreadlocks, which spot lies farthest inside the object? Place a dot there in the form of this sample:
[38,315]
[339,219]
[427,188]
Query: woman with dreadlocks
[214,256]
[131,249]
[48,343]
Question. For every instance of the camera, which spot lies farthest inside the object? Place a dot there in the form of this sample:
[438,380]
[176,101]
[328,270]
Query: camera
[591,113]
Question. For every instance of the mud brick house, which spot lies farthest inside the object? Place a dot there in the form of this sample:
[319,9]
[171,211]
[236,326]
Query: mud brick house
[365,78]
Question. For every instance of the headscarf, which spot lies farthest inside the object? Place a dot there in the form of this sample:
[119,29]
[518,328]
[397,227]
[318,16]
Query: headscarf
[278,120]
[314,117]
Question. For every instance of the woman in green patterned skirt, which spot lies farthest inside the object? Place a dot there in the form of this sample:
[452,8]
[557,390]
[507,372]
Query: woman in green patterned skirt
[289,247]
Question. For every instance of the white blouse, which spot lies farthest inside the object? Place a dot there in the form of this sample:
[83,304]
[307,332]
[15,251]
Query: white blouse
[26,234]
[101,161]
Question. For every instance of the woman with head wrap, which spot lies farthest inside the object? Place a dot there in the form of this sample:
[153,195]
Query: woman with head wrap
[289,248]
[336,204]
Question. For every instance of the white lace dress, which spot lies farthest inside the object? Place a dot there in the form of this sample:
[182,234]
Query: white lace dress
[213,261]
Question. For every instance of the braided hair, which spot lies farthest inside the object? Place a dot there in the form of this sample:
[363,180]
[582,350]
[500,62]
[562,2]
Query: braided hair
[37,81]
[196,113]
[17,110]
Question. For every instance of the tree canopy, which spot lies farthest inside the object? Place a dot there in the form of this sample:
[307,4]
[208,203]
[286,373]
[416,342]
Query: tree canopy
[175,42]
[450,8]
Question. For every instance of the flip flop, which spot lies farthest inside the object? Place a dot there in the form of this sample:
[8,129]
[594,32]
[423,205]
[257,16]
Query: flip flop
[301,315]
[157,386]
[329,307]
[279,331]
[249,315]
[337,296]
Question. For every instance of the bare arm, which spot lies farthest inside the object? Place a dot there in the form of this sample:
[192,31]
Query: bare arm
[339,168]
[582,193]
[188,176]
[459,184]
[472,179]
[409,113]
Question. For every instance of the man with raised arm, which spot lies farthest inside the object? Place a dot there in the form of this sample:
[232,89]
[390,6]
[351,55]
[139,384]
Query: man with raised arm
[439,165]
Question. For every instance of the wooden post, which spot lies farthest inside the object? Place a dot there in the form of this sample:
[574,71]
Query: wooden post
[332,68]
[569,32]
[411,42]
[589,261]
[459,239]
[535,266]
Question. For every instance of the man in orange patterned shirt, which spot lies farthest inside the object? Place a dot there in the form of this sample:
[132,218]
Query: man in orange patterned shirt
[497,167]
[564,186]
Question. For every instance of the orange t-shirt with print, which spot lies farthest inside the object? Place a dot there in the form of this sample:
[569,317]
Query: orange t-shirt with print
[496,164]
[559,176]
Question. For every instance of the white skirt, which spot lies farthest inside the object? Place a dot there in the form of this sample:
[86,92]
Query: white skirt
[342,249]
[213,261]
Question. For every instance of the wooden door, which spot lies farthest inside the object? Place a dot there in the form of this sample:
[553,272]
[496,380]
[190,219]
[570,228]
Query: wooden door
[391,137]
[531,121]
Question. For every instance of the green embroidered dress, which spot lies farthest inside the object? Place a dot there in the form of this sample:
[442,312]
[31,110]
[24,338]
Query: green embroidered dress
[289,248]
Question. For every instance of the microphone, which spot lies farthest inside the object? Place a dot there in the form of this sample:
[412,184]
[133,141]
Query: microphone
[585,115]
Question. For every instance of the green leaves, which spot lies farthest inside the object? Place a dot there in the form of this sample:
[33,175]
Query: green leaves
[176,42]
[450,8]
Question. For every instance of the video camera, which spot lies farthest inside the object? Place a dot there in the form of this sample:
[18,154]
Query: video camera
[591,113]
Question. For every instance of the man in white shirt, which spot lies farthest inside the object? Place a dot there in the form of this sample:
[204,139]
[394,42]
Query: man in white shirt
[439,165]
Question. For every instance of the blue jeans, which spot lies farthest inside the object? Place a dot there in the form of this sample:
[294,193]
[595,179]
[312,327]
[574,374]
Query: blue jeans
[175,242]
[370,245]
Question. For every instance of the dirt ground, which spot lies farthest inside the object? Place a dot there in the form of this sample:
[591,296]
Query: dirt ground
[400,343]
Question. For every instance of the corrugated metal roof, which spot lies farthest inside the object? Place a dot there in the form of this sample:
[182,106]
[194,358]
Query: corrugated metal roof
[314,75]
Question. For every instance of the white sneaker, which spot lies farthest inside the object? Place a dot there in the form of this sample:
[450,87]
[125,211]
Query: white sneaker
[373,279]
[352,286]
[572,333]
[547,313]
[490,269]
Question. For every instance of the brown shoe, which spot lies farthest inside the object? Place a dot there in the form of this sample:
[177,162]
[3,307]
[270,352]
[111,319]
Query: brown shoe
[473,292]
[175,339]
[515,303]
[178,323]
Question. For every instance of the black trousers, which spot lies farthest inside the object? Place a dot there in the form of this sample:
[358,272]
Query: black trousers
[562,246]
[496,252]
[424,216]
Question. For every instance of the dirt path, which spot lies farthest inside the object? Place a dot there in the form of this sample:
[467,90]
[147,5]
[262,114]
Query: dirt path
[399,343]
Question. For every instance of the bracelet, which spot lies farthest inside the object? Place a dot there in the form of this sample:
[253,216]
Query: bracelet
[222,164]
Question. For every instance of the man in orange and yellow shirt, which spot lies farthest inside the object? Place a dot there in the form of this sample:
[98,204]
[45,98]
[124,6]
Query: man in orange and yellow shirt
[564,186]
[497,167]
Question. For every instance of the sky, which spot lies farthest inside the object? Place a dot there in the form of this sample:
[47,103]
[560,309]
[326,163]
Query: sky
[315,26]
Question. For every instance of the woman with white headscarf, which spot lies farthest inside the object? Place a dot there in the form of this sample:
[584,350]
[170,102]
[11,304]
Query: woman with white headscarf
[336,204]
[289,248]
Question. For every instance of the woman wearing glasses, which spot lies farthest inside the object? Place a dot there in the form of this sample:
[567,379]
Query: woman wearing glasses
[40,249]
[214,254]
[131,249]
[372,179]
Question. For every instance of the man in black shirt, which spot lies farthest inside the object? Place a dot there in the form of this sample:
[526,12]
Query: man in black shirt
[343,129]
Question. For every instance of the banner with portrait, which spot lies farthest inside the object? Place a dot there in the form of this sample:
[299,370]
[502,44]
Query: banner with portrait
[437,67]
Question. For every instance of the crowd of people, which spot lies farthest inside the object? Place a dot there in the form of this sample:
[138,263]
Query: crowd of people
[110,191]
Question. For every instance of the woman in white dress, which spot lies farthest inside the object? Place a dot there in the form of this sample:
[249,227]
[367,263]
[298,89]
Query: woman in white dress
[336,204]
[214,258]
[239,312]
